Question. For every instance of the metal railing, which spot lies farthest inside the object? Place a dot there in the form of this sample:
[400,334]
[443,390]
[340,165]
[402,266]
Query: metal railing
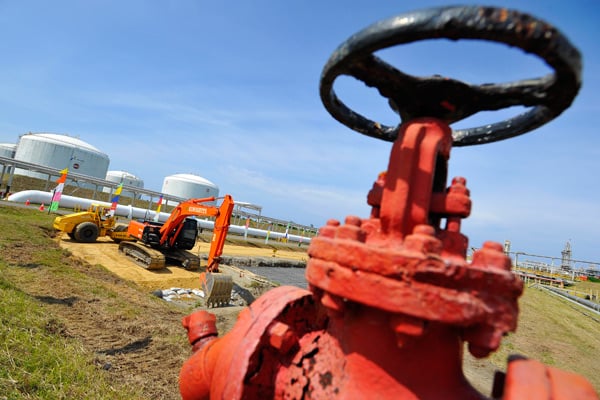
[241,212]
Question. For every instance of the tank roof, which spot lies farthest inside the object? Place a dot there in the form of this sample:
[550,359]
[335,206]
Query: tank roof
[192,179]
[62,139]
[122,173]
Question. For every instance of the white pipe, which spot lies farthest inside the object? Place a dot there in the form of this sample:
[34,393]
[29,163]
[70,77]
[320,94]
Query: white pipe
[39,197]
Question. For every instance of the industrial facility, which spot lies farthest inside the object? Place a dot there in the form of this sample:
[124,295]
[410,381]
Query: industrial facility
[43,155]
[7,150]
[125,178]
[60,151]
[189,186]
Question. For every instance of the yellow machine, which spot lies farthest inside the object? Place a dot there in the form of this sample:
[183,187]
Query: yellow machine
[87,226]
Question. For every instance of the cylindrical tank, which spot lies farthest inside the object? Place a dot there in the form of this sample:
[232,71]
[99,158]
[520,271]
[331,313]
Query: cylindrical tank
[127,179]
[7,150]
[60,151]
[189,186]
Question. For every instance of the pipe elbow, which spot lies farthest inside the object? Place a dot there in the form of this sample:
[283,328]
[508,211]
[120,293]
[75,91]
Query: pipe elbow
[196,373]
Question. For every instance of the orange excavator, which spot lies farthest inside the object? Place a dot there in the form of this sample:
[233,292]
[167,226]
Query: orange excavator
[157,242]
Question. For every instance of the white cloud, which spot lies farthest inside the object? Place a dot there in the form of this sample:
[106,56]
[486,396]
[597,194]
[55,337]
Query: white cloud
[293,199]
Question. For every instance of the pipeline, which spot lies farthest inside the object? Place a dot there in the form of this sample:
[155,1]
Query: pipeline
[130,212]
[588,304]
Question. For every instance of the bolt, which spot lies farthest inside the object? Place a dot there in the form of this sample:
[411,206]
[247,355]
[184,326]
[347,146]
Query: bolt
[334,304]
[491,255]
[484,339]
[423,240]
[375,194]
[493,246]
[479,351]
[406,328]
[282,337]
[353,220]
[329,229]
[351,230]
[459,180]
[424,230]
[453,224]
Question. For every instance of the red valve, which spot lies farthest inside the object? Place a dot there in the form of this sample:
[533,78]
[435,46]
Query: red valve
[391,301]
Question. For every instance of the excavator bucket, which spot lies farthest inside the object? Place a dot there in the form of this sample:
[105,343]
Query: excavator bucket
[217,288]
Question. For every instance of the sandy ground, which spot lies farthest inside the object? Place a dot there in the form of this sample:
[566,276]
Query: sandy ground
[106,253]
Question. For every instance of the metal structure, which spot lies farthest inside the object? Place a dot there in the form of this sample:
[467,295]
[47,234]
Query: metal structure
[391,297]
[50,174]
[566,257]
[7,150]
[60,151]
[189,186]
[125,178]
[578,267]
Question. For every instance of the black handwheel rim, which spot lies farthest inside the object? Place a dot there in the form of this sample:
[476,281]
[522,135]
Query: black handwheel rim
[470,22]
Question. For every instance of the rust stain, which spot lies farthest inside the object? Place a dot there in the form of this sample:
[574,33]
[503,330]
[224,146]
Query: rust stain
[503,14]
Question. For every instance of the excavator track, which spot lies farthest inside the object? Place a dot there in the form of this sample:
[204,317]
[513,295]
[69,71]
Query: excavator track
[188,260]
[153,259]
[142,255]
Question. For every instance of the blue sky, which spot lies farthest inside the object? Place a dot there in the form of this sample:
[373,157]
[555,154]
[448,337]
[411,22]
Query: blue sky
[229,91]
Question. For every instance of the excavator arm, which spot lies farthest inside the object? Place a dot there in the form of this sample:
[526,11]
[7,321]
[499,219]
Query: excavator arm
[220,230]
[217,286]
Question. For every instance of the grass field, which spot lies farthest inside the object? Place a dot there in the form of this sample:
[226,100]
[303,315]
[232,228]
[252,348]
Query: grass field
[557,333]
[37,359]
[47,353]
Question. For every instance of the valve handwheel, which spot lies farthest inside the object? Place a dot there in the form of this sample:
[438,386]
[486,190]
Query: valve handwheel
[448,99]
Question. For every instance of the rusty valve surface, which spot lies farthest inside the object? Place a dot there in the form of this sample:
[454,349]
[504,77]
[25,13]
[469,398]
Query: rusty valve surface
[392,298]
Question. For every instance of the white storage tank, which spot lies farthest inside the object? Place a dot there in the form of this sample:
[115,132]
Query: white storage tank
[127,179]
[7,150]
[60,151]
[189,186]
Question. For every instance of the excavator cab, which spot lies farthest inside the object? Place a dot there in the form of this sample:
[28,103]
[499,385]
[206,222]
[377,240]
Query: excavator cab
[186,239]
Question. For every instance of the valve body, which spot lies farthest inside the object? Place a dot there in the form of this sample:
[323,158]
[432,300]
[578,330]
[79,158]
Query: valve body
[390,303]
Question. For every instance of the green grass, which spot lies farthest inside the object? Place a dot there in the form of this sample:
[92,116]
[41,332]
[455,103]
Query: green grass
[556,332]
[37,362]
[38,359]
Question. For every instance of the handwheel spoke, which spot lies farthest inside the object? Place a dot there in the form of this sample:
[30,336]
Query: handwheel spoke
[528,93]
[389,81]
